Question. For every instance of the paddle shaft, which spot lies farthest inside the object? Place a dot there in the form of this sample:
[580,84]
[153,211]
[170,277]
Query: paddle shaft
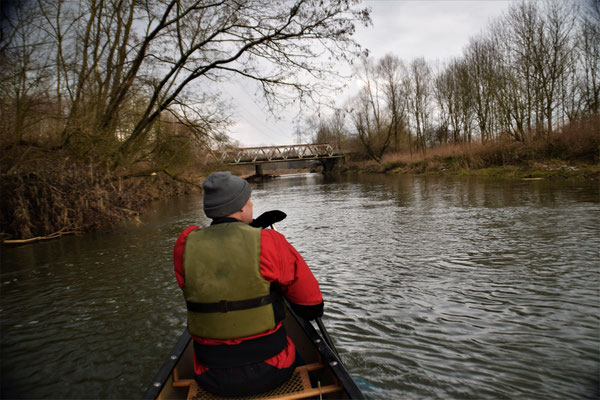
[326,336]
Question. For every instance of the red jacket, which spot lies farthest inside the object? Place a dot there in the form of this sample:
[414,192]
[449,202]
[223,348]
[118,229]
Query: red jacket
[281,264]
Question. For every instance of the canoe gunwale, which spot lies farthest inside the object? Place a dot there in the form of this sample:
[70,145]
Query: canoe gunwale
[165,371]
[329,358]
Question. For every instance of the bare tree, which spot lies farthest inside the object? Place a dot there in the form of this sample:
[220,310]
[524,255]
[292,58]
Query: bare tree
[537,41]
[589,45]
[117,66]
[480,59]
[393,74]
[514,94]
[326,129]
[24,81]
[338,128]
[419,89]
[366,111]
[458,92]
[445,97]
[379,110]
[552,54]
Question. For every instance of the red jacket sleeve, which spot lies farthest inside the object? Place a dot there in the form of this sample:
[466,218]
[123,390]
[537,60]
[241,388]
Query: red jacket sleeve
[178,254]
[282,264]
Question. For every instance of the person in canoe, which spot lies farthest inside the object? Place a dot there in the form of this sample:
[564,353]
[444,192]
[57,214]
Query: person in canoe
[233,274]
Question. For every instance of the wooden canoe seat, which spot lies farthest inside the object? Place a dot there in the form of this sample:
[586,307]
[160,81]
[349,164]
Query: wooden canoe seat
[297,387]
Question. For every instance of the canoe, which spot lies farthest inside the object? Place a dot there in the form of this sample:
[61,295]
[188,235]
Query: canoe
[323,374]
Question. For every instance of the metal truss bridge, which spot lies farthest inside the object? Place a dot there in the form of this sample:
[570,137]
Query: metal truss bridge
[261,155]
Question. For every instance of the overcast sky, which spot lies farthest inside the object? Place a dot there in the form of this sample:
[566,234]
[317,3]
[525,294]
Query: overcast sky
[434,29]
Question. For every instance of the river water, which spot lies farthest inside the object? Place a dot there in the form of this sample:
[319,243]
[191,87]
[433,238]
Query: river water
[434,288]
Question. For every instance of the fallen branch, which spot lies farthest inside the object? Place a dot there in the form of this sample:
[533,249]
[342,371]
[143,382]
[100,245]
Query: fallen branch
[153,172]
[183,180]
[54,235]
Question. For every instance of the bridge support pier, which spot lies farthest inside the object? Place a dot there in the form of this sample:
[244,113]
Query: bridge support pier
[258,170]
[331,165]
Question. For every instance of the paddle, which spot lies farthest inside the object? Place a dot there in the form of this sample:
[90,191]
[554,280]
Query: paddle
[326,336]
[267,219]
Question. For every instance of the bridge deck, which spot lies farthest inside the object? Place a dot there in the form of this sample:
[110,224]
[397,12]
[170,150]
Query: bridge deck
[259,155]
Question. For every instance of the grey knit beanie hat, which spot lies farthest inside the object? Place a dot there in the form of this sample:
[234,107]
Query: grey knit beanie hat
[224,194]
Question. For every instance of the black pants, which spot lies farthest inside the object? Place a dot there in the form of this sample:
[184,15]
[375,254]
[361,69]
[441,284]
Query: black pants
[247,380]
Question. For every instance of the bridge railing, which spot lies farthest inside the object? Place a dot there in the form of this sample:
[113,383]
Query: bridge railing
[257,155]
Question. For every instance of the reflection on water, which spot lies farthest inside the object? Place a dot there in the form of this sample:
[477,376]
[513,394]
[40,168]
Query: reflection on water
[434,288]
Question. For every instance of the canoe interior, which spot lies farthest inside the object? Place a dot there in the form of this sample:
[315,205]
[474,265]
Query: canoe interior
[310,345]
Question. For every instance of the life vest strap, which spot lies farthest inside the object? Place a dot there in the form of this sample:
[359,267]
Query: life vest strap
[247,352]
[224,306]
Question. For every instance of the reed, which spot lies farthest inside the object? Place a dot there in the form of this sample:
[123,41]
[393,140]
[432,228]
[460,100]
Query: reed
[577,143]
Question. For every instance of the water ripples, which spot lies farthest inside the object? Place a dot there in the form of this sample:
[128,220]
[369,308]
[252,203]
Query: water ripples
[434,288]
[432,296]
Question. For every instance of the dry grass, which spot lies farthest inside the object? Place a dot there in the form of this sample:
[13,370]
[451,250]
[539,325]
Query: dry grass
[440,152]
[49,194]
[576,143]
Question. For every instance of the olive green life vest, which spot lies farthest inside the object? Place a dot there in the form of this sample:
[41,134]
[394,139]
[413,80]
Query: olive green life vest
[222,262]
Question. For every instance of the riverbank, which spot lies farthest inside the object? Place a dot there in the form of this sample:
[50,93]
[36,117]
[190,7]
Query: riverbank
[51,195]
[572,153]
[528,170]
[48,195]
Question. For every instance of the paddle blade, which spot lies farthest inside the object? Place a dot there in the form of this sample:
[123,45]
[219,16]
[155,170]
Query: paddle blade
[268,218]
